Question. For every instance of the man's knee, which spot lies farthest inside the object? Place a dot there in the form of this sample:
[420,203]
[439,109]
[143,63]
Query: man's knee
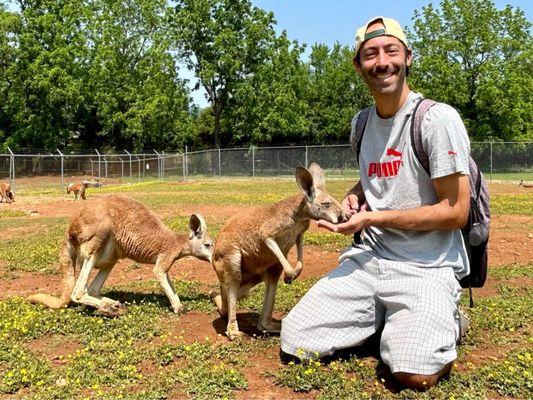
[416,381]
[420,381]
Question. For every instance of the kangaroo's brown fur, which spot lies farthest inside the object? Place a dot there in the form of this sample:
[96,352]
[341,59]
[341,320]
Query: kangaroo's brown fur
[252,246]
[79,190]
[115,227]
[6,193]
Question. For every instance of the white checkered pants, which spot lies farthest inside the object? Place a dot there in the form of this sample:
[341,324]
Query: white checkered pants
[417,308]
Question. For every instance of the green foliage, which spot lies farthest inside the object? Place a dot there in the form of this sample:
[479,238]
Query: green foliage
[286,295]
[512,271]
[502,315]
[33,253]
[511,204]
[232,45]
[487,55]
[512,377]
[11,214]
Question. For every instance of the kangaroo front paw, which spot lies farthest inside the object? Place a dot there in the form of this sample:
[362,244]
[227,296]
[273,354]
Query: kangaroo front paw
[288,278]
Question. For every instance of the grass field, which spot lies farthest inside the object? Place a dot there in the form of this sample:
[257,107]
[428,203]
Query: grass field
[150,353]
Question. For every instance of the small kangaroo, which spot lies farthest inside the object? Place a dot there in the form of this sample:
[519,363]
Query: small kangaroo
[6,193]
[78,189]
[253,245]
[115,227]
[525,185]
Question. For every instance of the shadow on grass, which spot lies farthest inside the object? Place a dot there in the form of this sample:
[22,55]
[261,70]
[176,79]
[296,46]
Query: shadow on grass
[247,324]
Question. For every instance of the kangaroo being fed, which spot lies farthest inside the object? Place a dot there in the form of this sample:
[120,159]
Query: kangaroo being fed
[252,246]
[115,227]
[6,193]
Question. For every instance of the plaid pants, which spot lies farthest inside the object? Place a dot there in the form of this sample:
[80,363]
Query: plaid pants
[416,307]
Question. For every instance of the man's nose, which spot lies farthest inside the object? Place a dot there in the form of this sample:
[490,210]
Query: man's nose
[382,59]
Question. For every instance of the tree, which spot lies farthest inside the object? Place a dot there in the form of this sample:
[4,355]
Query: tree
[223,42]
[336,93]
[270,105]
[45,53]
[478,59]
[138,100]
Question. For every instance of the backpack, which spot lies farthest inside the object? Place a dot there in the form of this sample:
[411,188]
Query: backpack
[476,231]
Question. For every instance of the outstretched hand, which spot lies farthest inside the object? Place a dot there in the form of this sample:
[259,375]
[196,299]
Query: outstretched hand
[357,221]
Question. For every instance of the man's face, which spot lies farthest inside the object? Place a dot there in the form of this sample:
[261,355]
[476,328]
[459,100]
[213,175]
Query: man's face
[383,63]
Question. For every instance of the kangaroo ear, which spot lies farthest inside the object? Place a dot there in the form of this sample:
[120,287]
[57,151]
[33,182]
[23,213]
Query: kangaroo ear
[304,179]
[197,225]
[318,176]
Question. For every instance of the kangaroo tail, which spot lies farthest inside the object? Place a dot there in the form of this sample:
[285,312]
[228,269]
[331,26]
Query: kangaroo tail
[67,259]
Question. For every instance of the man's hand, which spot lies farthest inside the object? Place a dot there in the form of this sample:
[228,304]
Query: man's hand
[357,221]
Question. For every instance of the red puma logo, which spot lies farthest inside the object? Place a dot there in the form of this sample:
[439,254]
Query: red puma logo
[388,168]
[452,153]
[395,153]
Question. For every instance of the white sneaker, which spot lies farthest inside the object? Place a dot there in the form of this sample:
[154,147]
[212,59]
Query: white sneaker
[464,324]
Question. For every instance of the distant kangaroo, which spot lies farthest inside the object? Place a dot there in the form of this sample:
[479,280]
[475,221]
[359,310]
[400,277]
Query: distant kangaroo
[78,189]
[526,185]
[115,227]
[6,193]
[253,245]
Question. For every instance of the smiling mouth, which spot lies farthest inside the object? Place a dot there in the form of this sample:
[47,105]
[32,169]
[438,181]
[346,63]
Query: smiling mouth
[383,77]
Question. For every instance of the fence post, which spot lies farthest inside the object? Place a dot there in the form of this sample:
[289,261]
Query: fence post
[186,162]
[158,165]
[121,167]
[162,165]
[12,170]
[219,164]
[139,169]
[253,161]
[61,154]
[105,167]
[129,155]
[491,161]
[99,173]
[306,155]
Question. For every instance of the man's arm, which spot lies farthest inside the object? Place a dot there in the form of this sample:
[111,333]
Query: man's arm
[450,212]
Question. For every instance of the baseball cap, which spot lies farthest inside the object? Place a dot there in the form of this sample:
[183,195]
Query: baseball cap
[392,28]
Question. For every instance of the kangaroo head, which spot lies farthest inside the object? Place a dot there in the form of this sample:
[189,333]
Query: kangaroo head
[200,243]
[318,203]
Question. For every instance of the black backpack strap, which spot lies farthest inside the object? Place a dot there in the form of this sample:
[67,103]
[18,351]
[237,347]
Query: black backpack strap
[360,126]
[416,131]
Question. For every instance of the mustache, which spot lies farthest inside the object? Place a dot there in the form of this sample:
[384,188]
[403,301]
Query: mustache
[384,70]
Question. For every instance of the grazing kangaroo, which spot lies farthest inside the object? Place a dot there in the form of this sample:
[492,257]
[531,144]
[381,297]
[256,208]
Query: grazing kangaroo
[252,246]
[526,185]
[94,183]
[115,227]
[6,193]
[78,189]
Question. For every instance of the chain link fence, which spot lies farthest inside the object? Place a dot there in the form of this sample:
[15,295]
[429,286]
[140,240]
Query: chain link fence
[510,161]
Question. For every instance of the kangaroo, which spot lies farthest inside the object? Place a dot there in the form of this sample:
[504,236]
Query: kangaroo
[78,189]
[6,193]
[94,183]
[115,227]
[526,185]
[253,245]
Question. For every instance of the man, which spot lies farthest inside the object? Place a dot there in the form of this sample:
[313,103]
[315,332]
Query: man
[402,278]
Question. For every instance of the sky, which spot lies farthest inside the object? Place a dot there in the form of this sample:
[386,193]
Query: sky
[323,21]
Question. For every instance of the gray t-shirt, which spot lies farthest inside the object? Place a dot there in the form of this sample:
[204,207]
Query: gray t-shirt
[393,179]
